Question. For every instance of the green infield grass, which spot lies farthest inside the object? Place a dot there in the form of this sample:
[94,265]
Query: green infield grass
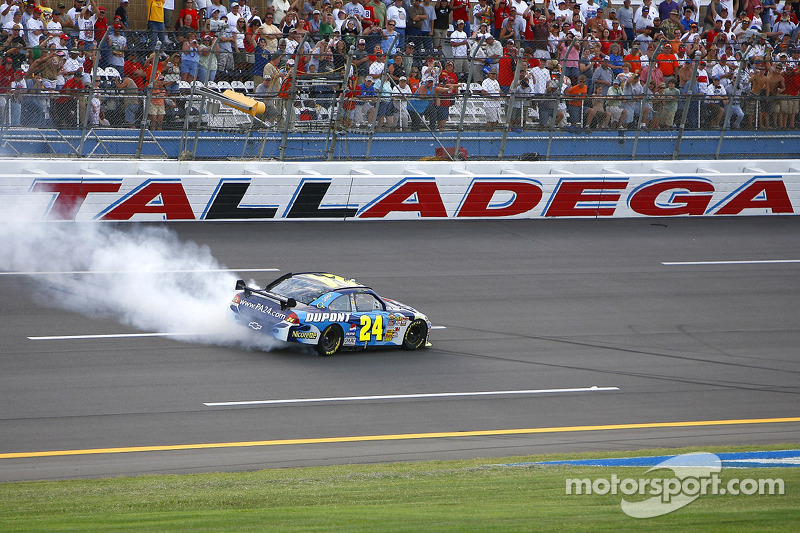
[472,495]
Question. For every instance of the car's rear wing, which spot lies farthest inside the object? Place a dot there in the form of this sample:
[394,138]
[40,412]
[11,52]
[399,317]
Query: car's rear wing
[285,302]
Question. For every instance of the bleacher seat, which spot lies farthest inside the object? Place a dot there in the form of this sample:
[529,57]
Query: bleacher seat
[238,86]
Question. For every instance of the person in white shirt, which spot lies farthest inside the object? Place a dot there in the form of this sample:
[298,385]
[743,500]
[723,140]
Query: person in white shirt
[400,93]
[234,16]
[34,28]
[460,47]
[490,89]
[7,10]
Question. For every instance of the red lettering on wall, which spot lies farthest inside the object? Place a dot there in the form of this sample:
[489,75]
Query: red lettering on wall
[572,192]
[173,202]
[774,198]
[691,197]
[412,196]
[527,195]
[70,195]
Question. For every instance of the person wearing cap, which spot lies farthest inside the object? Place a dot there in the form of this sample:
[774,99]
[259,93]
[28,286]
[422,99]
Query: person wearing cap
[7,10]
[459,45]
[603,76]
[714,103]
[400,94]
[666,7]
[492,99]
[34,27]
[667,62]
[121,14]
[723,71]
[207,61]
[671,25]
[396,13]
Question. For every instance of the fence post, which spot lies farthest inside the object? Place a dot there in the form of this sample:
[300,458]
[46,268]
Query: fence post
[334,125]
[146,106]
[685,114]
[84,132]
[729,108]
[378,103]
[468,93]
[289,118]
[510,107]
[558,98]
[650,66]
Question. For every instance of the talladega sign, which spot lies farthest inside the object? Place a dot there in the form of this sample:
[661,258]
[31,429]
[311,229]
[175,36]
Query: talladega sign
[370,197]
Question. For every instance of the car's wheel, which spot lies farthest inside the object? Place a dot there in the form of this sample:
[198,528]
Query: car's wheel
[330,340]
[416,334]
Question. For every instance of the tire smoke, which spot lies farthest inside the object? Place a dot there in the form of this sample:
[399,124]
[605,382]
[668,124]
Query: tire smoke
[143,276]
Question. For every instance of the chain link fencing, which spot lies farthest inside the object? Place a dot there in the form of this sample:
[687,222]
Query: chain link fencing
[309,110]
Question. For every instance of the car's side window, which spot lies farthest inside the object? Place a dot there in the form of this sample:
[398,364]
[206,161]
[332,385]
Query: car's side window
[366,302]
[342,303]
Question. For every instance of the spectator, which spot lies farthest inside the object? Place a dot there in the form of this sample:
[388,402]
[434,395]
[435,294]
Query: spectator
[130,98]
[190,57]
[616,98]
[95,107]
[121,14]
[441,24]
[64,109]
[86,24]
[490,89]
[397,14]
[158,102]
[716,100]
[34,28]
[401,93]
[155,20]
[207,59]
[596,115]
[575,105]
[188,16]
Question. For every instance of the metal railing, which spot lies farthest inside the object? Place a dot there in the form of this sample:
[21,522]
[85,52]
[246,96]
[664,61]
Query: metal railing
[322,116]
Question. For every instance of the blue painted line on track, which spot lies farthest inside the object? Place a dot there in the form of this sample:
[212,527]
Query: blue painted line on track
[760,459]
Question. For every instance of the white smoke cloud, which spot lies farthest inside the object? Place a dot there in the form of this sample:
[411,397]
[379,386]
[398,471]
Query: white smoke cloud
[144,276]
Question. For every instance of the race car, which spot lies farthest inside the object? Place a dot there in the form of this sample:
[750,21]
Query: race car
[329,312]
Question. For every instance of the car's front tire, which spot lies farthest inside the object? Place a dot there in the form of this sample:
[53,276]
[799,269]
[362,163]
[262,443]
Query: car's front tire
[416,334]
[330,340]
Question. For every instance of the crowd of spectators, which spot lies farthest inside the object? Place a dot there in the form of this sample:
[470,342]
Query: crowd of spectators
[405,63]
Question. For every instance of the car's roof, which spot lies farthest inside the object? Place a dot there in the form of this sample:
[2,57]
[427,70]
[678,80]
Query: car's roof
[326,280]
[306,287]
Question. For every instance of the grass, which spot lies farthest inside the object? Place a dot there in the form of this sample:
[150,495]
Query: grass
[473,495]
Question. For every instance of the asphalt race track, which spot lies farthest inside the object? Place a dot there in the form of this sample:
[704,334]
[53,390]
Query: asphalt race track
[524,308]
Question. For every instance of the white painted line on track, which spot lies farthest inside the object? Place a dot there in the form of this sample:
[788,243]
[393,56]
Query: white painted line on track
[409,396]
[108,336]
[438,327]
[755,262]
[179,271]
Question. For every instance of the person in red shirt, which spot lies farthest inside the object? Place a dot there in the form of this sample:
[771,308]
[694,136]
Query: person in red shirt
[667,62]
[134,70]
[507,66]
[501,13]
[101,24]
[188,9]
[64,111]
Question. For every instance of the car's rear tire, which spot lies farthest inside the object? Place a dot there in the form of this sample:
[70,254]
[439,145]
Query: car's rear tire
[330,340]
[416,334]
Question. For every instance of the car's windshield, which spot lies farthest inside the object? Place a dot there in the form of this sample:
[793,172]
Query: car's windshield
[303,290]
